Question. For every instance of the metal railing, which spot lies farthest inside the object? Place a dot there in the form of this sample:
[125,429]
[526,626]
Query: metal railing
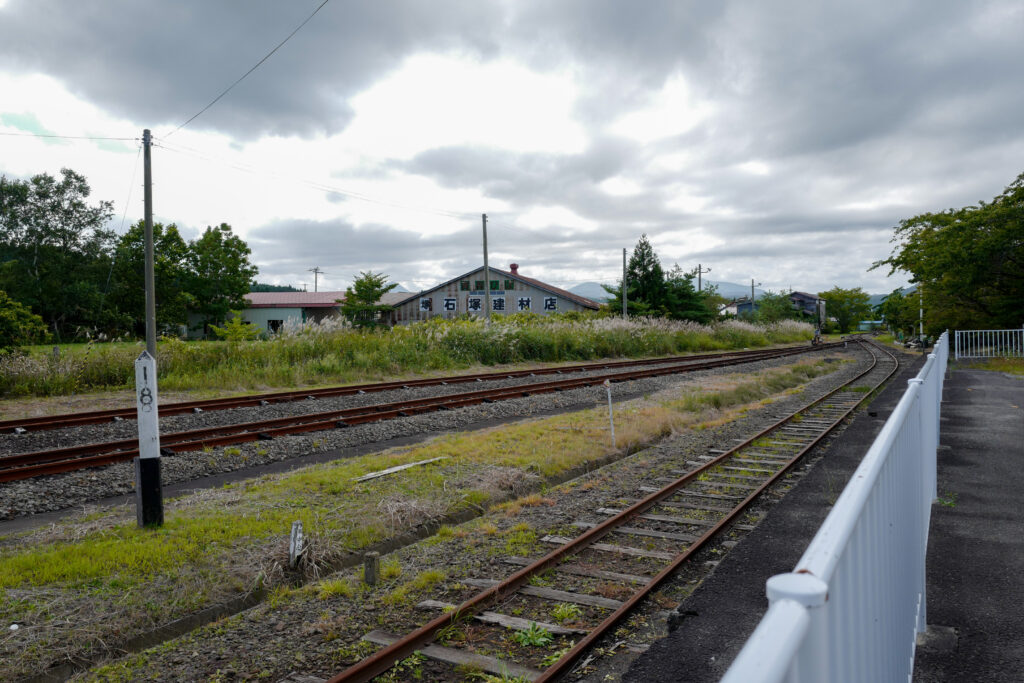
[988,344]
[852,607]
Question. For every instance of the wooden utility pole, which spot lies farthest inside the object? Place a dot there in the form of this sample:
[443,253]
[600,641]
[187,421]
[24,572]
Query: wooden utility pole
[147,182]
[624,314]
[487,278]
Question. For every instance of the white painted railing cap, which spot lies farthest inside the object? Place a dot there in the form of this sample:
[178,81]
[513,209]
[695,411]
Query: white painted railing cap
[806,589]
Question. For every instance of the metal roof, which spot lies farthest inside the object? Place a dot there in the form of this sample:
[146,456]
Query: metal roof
[309,299]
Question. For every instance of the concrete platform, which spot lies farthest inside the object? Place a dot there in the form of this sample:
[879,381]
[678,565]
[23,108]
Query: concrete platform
[975,555]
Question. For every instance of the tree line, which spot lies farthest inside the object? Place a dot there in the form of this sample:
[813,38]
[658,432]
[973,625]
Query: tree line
[60,262]
[968,263]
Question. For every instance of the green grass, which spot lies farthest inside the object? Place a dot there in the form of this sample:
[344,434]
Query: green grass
[1012,366]
[227,541]
[328,355]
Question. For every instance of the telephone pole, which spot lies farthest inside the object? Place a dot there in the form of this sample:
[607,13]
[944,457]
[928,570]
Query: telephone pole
[487,278]
[147,184]
[701,270]
[316,276]
[624,314]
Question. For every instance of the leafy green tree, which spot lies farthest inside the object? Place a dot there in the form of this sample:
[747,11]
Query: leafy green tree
[170,274]
[899,311]
[18,325]
[773,307]
[847,306]
[219,273]
[235,329]
[360,304]
[55,250]
[969,261]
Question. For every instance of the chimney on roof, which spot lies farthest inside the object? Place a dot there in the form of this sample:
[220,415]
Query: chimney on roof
[514,267]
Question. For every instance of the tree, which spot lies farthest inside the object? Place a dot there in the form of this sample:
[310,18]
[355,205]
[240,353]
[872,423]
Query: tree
[969,262]
[18,325]
[54,249]
[360,304]
[263,287]
[847,306]
[236,329]
[900,312]
[772,307]
[682,300]
[645,286]
[219,273]
[171,277]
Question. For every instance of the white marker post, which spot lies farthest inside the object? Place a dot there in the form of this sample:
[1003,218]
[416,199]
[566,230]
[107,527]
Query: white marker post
[611,419]
[149,497]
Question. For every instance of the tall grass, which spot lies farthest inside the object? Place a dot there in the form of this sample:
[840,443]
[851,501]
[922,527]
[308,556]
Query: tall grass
[335,353]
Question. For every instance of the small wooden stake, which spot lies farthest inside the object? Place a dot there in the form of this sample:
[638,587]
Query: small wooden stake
[371,568]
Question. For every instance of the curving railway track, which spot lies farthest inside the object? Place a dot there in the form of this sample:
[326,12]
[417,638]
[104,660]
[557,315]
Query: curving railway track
[674,520]
[54,461]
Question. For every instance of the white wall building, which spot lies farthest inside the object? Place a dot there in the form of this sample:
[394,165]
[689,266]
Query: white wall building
[510,292]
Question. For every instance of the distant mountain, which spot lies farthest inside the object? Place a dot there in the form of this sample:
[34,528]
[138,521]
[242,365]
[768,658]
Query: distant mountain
[591,290]
[731,290]
[399,289]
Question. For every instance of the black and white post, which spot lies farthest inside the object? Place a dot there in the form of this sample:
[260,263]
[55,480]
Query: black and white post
[149,495]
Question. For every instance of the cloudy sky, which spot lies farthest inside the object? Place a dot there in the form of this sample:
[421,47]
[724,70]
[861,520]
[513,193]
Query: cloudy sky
[779,141]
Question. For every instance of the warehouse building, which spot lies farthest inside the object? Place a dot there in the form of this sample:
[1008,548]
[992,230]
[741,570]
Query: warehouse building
[268,311]
[510,292]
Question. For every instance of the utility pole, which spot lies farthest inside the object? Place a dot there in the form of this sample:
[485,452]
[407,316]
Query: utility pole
[316,276]
[147,183]
[700,270]
[920,313]
[752,295]
[487,278]
[624,314]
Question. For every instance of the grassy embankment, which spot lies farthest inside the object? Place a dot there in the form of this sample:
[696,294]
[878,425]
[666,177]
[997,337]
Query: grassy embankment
[99,579]
[312,355]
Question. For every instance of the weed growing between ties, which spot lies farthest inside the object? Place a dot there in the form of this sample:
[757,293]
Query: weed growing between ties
[332,352]
[88,585]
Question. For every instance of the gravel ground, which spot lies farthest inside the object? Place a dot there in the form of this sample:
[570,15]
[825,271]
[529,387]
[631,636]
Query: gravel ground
[317,634]
[73,489]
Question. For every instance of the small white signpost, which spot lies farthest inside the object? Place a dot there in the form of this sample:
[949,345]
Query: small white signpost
[611,416]
[149,502]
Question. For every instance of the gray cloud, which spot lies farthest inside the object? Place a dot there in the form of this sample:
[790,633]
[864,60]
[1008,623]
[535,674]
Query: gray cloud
[863,113]
[161,62]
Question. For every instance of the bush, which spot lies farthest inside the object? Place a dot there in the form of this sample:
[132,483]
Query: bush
[334,352]
[18,325]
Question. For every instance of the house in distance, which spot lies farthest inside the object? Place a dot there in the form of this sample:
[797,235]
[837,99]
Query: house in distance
[510,292]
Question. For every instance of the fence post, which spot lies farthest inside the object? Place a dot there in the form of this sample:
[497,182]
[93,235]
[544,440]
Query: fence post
[812,660]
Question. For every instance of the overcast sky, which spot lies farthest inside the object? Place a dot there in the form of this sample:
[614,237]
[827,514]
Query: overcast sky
[780,141]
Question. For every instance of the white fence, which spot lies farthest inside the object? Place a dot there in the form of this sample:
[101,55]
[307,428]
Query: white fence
[989,344]
[852,607]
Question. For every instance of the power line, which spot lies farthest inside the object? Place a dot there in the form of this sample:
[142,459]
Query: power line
[316,185]
[255,66]
[66,137]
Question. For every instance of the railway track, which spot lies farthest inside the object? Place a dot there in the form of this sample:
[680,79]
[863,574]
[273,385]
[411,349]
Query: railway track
[674,519]
[55,461]
[66,420]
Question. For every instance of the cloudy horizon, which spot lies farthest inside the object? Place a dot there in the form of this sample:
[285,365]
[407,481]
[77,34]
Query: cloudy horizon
[775,141]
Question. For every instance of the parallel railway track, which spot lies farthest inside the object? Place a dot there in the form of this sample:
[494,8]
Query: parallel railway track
[28,465]
[682,516]
[63,421]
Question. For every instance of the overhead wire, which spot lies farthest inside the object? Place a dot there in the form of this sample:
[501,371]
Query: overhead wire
[314,184]
[67,137]
[243,76]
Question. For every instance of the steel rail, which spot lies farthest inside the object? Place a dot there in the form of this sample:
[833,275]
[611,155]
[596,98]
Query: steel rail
[183,407]
[382,660]
[39,463]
